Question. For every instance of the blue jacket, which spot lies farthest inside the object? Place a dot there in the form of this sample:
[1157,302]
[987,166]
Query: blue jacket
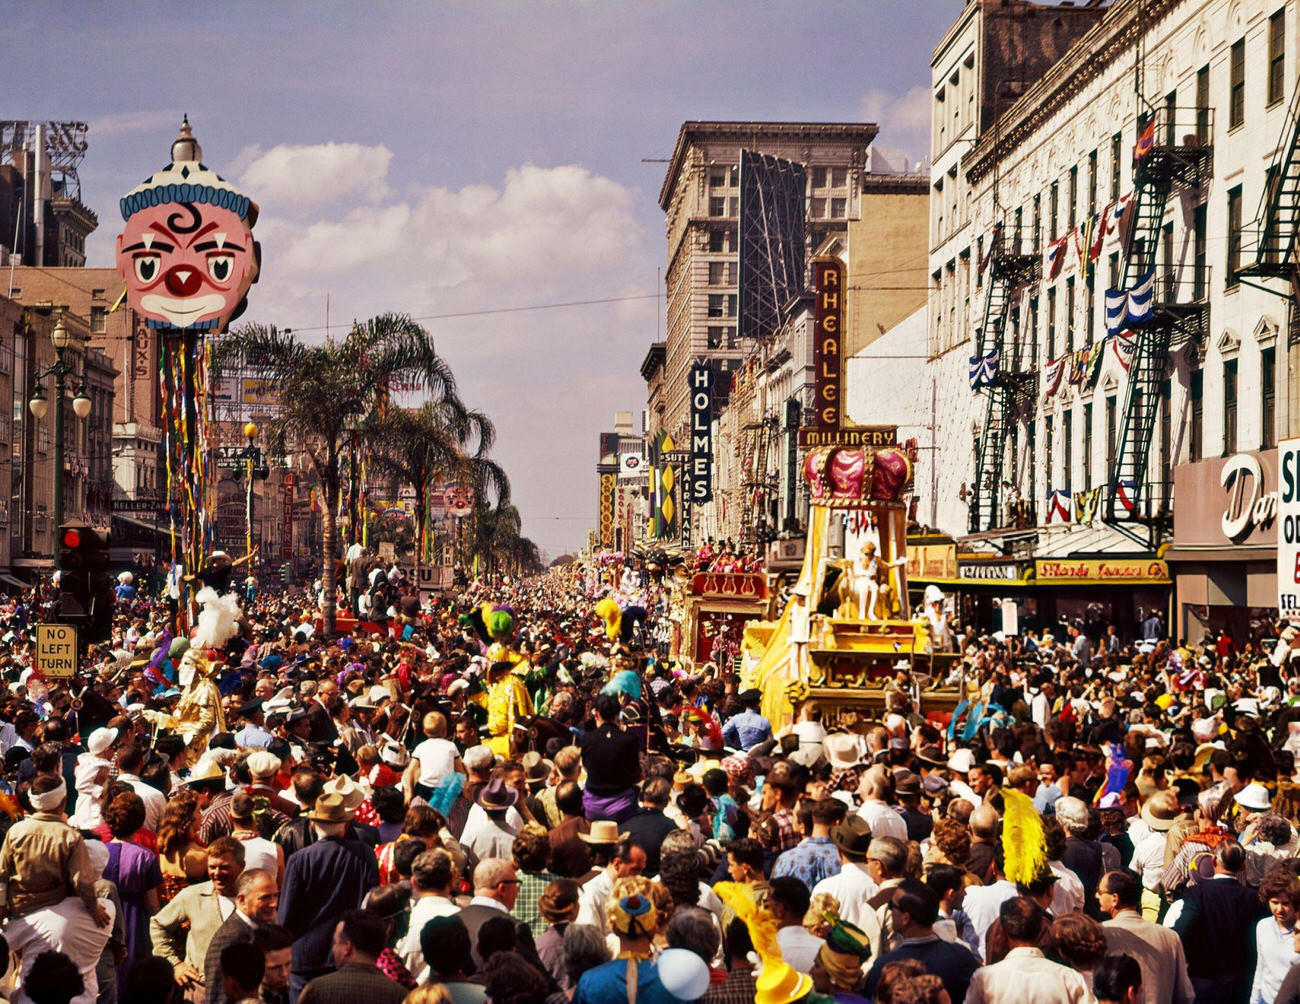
[321,881]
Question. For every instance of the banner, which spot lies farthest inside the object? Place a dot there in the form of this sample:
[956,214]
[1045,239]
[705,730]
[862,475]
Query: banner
[983,369]
[700,480]
[1288,534]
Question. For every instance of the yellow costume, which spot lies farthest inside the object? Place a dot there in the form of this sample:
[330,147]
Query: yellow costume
[507,702]
[198,715]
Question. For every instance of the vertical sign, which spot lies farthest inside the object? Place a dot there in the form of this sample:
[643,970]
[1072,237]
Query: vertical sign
[286,517]
[608,483]
[1288,536]
[700,483]
[828,316]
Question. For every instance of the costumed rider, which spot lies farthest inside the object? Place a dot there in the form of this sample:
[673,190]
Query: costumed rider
[640,716]
[936,619]
[198,714]
[508,700]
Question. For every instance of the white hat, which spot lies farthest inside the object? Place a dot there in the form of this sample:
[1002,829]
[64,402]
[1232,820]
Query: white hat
[843,749]
[1254,797]
[378,693]
[394,755]
[457,684]
[100,740]
[263,764]
[961,761]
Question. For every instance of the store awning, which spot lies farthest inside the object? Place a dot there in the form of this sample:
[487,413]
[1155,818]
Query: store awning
[1213,553]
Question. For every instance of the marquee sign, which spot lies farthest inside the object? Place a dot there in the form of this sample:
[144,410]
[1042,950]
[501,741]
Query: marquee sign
[828,318]
[1058,571]
[608,484]
[700,481]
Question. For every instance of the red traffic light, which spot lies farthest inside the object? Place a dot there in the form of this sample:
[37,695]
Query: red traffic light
[71,538]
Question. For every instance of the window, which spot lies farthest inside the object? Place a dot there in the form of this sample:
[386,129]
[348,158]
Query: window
[839,177]
[1112,270]
[1276,56]
[717,241]
[839,209]
[1229,407]
[1237,89]
[1054,206]
[817,210]
[1171,125]
[1166,427]
[1234,235]
[1203,105]
[1111,418]
[96,294]
[1051,324]
[1196,430]
[1049,464]
[732,340]
[1116,162]
[98,320]
[1069,314]
[819,173]
[1268,399]
[979,257]
[717,273]
[1092,182]
[1038,224]
[1087,447]
[717,205]
[1167,283]
[1067,449]
[1272,248]
[1017,234]
[717,304]
[715,336]
[1033,469]
[1033,327]
[1199,277]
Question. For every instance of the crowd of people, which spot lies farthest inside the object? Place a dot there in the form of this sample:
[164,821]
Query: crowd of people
[508,796]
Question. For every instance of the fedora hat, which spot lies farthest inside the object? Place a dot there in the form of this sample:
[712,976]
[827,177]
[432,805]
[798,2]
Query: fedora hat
[853,836]
[330,808]
[931,756]
[347,789]
[496,796]
[780,983]
[536,768]
[1161,811]
[205,770]
[843,750]
[603,831]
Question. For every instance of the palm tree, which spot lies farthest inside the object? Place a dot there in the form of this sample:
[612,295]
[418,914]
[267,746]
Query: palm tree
[439,441]
[498,541]
[332,390]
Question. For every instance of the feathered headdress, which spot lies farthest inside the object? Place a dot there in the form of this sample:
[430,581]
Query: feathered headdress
[624,682]
[611,613]
[1023,845]
[758,919]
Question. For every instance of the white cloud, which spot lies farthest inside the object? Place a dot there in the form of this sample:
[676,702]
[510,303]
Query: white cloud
[302,178]
[904,120]
[133,123]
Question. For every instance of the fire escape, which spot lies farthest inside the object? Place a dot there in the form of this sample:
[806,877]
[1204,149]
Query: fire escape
[1179,310]
[1277,223]
[1014,382]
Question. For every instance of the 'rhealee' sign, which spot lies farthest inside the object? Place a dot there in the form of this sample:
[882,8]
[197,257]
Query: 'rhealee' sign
[828,325]
[1288,535]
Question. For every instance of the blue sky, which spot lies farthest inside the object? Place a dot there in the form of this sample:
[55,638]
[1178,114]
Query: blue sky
[440,158]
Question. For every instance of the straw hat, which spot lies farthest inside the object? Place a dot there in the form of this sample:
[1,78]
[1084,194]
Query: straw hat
[603,831]
[330,808]
[1161,811]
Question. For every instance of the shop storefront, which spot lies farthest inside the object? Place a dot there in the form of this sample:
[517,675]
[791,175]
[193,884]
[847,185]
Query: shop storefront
[1100,591]
[1224,556]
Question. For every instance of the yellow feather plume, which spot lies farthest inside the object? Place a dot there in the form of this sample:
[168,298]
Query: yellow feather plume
[1023,846]
[758,919]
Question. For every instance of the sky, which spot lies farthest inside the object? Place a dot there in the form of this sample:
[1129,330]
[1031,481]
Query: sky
[456,161]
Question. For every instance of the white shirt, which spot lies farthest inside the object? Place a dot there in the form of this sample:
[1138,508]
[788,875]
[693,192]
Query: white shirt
[155,802]
[437,760]
[424,910]
[884,821]
[260,853]
[1025,976]
[852,887]
[64,927]
[1067,893]
[981,905]
[1275,954]
[484,837]
[593,902]
[799,947]
[1149,858]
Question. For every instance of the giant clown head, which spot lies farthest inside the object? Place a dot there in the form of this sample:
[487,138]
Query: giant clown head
[187,251]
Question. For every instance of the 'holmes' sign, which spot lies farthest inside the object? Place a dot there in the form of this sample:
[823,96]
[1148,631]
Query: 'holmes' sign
[701,476]
[828,322]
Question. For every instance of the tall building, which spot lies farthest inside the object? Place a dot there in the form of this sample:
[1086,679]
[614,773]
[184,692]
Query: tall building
[42,219]
[621,480]
[1088,230]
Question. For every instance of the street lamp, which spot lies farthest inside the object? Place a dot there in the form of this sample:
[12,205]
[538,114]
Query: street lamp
[39,406]
[250,458]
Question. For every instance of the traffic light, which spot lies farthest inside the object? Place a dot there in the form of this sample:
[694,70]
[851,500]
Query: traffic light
[85,587]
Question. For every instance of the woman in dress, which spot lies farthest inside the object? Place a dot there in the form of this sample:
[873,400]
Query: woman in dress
[135,872]
[182,858]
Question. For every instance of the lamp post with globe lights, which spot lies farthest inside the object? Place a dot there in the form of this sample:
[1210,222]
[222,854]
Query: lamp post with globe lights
[39,405]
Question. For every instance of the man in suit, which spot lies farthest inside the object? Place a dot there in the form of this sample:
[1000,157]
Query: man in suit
[198,909]
[496,887]
[256,897]
[1216,921]
[649,826]
[321,882]
[1082,856]
[1157,949]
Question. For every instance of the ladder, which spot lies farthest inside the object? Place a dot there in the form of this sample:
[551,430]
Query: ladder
[1277,222]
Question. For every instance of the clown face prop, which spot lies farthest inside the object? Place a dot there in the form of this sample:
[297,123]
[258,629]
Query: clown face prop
[187,251]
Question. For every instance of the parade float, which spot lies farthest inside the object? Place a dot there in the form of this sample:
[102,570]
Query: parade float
[846,638]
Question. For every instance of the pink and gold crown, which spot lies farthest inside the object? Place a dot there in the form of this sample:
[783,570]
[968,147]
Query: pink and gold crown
[845,478]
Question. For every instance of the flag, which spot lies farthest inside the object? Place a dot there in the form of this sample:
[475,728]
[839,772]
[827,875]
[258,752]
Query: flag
[1146,138]
[1124,494]
[1085,249]
[1052,379]
[1095,355]
[1123,343]
[983,369]
[1054,257]
[1058,506]
[1141,299]
[994,239]
[1116,306]
[1078,366]
[1101,226]
[1120,220]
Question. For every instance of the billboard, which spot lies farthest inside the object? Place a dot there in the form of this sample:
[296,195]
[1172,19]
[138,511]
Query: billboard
[1288,533]
[772,244]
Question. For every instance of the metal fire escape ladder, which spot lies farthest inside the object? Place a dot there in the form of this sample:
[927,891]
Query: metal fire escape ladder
[1009,272]
[1277,222]
[1178,315]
